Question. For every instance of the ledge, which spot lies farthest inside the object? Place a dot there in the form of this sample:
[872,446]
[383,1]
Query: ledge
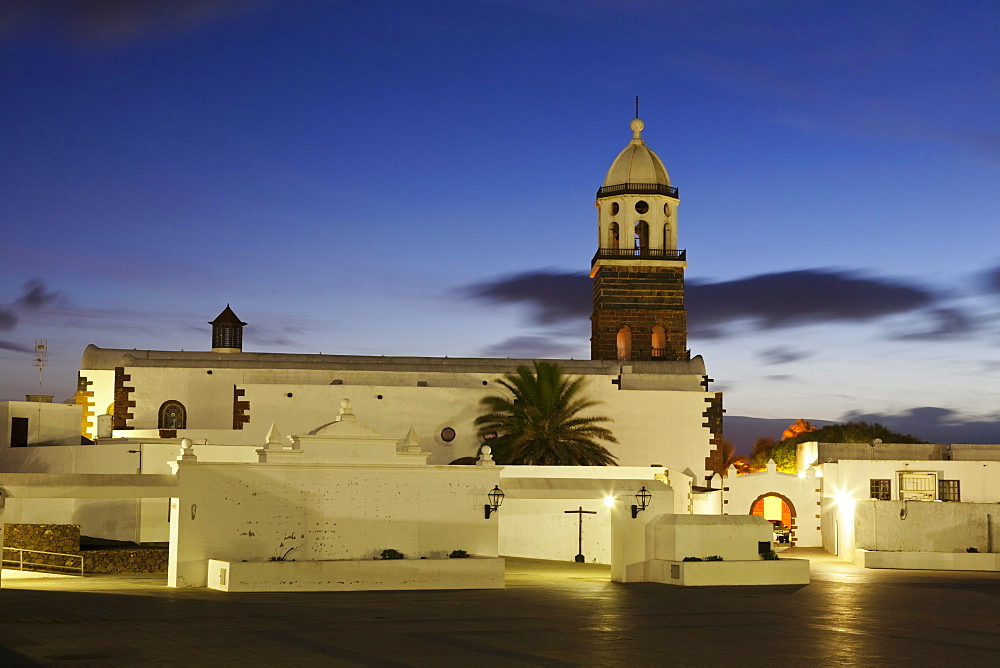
[928,561]
[719,573]
[362,575]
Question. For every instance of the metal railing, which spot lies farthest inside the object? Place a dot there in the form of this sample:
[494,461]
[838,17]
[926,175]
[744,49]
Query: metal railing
[637,189]
[641,253]
[37,565]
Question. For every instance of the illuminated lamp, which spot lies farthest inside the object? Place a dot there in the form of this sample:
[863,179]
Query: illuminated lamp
[609,501]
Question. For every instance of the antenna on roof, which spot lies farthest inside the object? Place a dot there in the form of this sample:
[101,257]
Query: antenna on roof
[637,106]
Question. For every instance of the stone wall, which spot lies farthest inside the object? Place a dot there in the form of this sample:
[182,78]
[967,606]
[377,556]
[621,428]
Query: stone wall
[65,539]
[140,560]
[46,537]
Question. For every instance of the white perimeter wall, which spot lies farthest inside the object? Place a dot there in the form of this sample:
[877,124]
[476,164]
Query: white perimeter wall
[926,526]
[144,520]
[257,511]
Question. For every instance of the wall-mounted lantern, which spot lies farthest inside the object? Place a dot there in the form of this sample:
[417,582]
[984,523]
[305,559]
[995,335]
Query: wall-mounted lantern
[642,498]
[496,498]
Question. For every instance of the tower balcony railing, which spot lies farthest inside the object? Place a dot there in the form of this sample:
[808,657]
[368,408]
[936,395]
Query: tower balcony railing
[678,255]
[637,189]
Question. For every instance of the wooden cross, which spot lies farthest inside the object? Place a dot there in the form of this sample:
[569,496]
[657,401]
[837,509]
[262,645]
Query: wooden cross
[581,512]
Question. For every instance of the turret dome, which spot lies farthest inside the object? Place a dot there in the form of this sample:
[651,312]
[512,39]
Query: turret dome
[637,165]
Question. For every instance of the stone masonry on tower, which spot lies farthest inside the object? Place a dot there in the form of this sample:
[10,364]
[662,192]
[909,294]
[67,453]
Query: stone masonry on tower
[638,270]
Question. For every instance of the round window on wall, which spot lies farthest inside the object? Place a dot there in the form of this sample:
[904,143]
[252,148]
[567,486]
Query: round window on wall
[447,434]
[641,207]
[666,210]
[614,208]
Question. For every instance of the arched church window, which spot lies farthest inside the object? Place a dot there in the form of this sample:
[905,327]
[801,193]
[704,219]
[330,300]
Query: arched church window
[641,207]
[613,235]
[172,415]
[666,236]
[625,343]
[614,208]
[659,342]
[642,234]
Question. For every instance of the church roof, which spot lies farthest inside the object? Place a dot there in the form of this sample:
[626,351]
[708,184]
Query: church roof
[637,164]
[227,317]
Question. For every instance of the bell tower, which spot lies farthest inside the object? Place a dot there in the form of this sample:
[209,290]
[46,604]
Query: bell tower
[638,270]
[227,332]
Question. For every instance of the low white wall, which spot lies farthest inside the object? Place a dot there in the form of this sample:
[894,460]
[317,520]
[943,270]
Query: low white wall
[926,526]
[933,561]
[233,512]
[394,574]
[732,537]
[716,573]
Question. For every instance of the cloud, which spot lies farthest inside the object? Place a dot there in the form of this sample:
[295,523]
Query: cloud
[8,319]
[802,297]
[552,296]
[991,280]
[35,296]
[532,347]
[116,22]
[766,301]
[948,324]
[16,347]
[780,355]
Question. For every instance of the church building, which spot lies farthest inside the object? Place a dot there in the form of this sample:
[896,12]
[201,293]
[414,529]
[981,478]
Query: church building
[640,368]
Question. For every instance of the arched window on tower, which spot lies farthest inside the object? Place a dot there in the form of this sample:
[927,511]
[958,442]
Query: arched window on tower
[659,342]
[172,415]
[642,234]
[625,343]
[666,237]
[613,235]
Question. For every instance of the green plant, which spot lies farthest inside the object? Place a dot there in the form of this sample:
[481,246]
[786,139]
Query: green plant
[541,422]
[715,557]
[390,553]
[458,554]
[693,559]
[769,555]
[972,549]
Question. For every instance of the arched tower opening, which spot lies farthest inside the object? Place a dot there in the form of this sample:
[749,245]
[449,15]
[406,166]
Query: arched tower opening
[625,343]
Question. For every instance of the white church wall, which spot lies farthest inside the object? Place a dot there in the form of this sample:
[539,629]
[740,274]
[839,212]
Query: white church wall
[542,529]
[233,512]
[653,426]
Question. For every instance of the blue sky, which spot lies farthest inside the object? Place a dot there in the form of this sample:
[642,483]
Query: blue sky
[371,178]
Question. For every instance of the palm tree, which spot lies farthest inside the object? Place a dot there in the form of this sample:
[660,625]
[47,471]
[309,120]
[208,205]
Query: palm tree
[541,423]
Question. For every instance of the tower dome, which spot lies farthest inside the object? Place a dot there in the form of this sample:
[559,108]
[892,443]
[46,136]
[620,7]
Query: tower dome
[637,165]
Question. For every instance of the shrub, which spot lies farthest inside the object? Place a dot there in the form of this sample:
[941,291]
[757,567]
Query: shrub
[392,554]
[693,559]
[458,554]
[715,557]
[972,549]
[769,555]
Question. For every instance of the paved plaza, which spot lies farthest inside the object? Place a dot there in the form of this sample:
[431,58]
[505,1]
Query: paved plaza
[551,613]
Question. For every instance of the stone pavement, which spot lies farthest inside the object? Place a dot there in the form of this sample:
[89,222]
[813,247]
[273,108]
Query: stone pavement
[551,613]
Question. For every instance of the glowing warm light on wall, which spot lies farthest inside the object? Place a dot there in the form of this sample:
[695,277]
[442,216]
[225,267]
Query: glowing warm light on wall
[609,501]
[843,499]
[772,508]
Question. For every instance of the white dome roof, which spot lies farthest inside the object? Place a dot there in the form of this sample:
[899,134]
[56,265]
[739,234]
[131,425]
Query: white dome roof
[637,163]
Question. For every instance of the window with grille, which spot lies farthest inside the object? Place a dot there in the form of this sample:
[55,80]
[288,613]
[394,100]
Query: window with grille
[881,489]
[949,490]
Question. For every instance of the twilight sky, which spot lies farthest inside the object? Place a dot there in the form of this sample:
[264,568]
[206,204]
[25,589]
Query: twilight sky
[418,178]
